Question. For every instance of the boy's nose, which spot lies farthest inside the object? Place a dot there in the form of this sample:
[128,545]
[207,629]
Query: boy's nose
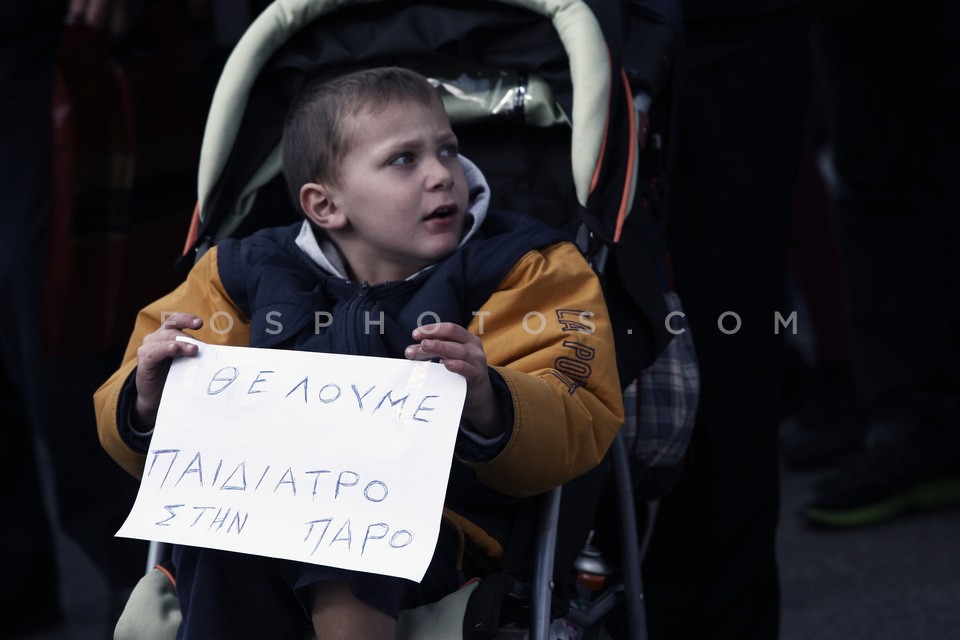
[439,176]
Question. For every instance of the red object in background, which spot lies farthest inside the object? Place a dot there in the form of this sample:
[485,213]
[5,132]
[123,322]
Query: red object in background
[127,131]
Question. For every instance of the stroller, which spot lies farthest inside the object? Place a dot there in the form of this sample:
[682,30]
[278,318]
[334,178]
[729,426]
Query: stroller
[540,101]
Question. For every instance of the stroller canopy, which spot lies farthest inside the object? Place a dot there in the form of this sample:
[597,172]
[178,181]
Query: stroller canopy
[546,63]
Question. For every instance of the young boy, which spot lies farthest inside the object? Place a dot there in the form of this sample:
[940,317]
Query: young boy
[398,247]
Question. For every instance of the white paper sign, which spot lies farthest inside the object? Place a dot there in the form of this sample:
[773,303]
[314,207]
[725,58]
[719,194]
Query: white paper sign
[328,459]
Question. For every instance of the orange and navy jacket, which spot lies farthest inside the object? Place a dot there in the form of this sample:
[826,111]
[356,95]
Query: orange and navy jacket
[530,296]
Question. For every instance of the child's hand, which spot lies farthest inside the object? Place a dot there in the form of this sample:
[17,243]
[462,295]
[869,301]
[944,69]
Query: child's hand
[461,352]
[153,362]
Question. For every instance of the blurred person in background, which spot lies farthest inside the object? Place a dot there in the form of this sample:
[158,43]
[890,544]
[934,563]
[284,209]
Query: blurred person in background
[889,74]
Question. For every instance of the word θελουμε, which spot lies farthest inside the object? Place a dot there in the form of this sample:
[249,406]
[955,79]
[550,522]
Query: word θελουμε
[370,400]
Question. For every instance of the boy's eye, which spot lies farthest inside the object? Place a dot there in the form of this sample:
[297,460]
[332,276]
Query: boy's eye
[401,159]
[448,151]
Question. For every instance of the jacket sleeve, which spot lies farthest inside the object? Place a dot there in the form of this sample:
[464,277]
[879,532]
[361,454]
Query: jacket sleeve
[201,294]
[546,331]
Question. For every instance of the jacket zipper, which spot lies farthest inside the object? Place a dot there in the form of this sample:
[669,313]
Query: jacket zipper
[354,320]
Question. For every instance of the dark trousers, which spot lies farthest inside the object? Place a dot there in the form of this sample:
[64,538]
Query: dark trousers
[225,595]
[28,562]
[711,570]
[890,77]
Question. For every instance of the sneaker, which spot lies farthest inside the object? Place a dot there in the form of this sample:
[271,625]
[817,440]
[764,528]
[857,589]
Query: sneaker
[882,482]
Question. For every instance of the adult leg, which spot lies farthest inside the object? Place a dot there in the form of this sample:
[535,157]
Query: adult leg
[711,569]
[897,154]
[824,419]
[29,593]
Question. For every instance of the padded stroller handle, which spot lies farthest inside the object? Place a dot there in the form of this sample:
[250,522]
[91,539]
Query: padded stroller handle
[574,21]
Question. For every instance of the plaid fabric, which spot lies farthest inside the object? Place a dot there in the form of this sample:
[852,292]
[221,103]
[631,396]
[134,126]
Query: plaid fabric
[661,403]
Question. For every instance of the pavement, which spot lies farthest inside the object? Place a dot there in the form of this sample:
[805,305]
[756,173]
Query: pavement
[895,581]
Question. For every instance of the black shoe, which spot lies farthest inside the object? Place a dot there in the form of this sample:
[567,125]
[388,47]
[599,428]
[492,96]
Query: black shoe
[882,482]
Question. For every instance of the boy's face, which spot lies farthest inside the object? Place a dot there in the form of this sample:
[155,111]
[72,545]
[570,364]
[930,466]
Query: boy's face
[401,200]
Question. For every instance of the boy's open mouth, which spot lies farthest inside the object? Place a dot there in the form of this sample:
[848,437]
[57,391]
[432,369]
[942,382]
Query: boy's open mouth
[442,212]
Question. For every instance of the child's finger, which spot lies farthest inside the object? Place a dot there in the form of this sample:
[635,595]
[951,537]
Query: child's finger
[442,331]
[466,369]
[419,352]
[451,350]
[172,327]
[414,352]
[163,336]
[152,354]
[448,350]
[182,320]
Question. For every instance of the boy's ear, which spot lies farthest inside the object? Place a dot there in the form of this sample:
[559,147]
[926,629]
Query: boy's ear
[320,207]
